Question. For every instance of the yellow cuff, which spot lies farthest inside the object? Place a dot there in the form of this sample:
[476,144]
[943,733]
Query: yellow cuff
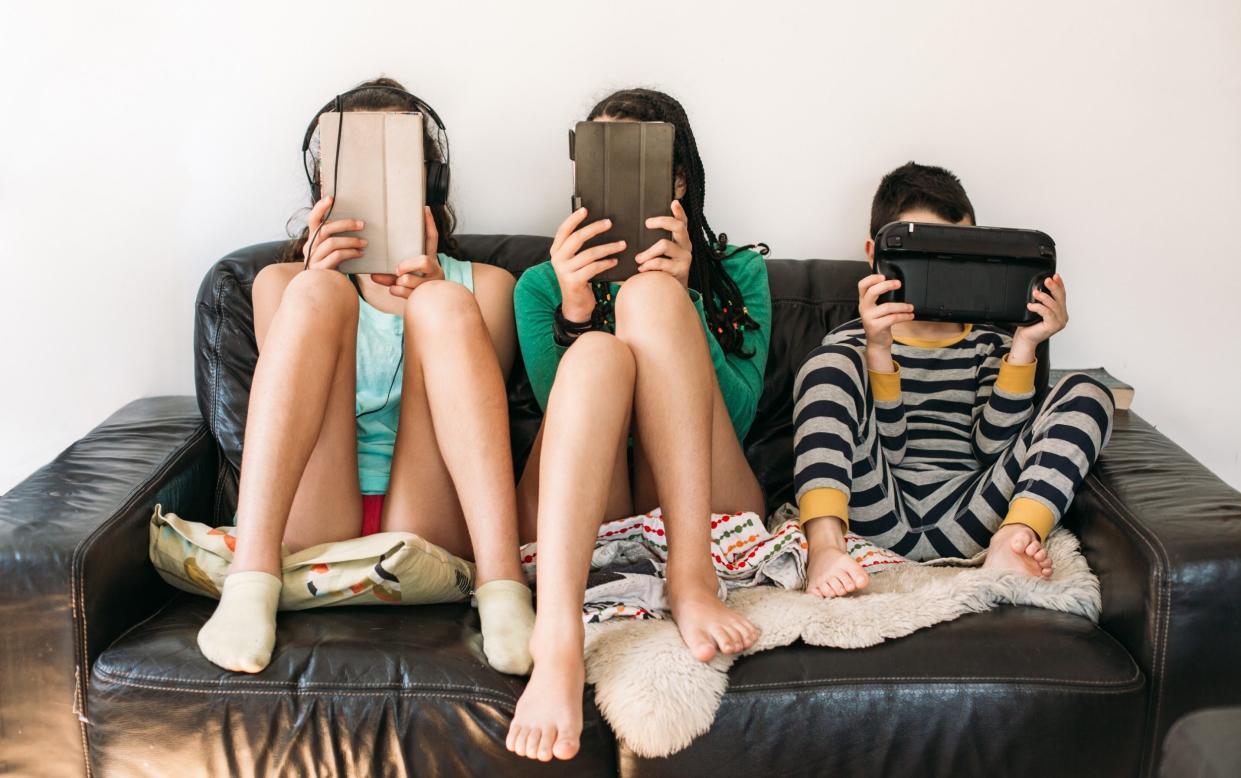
[1015,379]
[1031,513]
[824,501]
[886,387]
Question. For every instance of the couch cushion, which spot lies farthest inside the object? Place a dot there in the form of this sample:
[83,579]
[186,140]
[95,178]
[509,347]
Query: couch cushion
[350,691]
[1012,692]
[809,298]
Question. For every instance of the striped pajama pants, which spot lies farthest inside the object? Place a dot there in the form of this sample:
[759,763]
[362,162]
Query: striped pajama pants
[924,510]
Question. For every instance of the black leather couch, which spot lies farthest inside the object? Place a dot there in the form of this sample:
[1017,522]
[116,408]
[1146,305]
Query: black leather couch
[99,673]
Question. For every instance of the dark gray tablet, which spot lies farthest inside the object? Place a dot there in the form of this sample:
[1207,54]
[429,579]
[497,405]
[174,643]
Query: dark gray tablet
[965,274]
[623,171]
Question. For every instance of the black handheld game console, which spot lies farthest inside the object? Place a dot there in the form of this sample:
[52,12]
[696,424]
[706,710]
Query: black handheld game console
[965,274]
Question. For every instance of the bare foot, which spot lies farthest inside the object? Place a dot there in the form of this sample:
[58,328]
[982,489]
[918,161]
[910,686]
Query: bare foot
[1016,547]
[548,719]
[830,571]
[707,625]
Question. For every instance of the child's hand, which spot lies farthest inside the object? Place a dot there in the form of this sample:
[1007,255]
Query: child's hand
[878,319]
[1055,312]
[671,256]
[574,271]
[415,271]
[326,248]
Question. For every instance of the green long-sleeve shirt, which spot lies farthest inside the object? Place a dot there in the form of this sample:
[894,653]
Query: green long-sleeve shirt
[740,378]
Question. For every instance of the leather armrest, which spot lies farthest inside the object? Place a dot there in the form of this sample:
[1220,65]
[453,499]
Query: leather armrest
[1163,534]
[74,572]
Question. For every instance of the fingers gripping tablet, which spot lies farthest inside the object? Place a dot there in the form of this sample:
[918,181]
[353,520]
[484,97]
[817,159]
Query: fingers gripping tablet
[965,274]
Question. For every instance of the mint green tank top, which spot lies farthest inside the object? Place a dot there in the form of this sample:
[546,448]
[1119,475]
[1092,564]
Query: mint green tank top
[379,372]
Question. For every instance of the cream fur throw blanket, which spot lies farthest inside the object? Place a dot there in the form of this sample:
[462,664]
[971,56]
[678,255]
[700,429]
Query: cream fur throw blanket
[658,698]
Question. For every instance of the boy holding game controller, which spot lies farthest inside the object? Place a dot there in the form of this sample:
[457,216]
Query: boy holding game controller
[922,436]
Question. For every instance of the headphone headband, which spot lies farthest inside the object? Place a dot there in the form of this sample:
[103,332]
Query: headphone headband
[418,102]
[437,172]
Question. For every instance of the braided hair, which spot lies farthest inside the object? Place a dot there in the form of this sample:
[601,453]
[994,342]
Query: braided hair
[727,315]
[380,98]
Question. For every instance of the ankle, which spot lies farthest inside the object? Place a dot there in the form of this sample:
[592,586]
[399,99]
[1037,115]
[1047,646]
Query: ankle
[692,585]
[825,532]
[557,640]
[255,564]
[1007,532]
[485,574]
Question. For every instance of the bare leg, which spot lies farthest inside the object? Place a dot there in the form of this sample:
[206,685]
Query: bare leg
[452,470]
[586,425]
[619,503]
[674,402]
[299,468]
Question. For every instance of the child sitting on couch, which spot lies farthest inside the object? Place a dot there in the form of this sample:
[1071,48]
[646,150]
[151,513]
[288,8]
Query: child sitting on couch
[922,436]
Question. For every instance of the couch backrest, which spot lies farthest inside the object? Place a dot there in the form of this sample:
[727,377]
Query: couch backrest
[809,298]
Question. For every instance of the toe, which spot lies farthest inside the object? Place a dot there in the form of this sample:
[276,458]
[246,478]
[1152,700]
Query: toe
[860,579]
[751,634]
[1040,555]
[837,587]
[724,638]
[514,734]
[547,738]
[566,747]
[1033,548]
[530,746]
[701,646]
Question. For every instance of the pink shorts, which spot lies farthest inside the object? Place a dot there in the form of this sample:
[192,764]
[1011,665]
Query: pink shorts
[372,509]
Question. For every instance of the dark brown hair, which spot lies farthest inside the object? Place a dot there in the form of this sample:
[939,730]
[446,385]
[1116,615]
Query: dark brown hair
[912,186]
[377,99]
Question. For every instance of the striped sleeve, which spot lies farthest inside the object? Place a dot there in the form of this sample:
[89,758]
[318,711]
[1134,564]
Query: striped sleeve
[828,403]
[1004,403]
[885,388]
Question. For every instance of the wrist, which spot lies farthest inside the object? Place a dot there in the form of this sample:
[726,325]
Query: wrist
[879,357]
[1021,352]
[577,312]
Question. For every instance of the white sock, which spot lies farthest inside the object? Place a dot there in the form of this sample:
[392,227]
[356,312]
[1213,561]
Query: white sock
[241,634]
[507,614]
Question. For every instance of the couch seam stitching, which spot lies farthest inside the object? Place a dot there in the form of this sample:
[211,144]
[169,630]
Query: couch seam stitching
[77,588]
[121,677]
[1101,692]
[1159,556]
[496,700]
[1125,685]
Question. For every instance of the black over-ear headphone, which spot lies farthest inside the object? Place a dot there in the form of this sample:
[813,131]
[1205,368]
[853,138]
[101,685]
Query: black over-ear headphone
[437,172]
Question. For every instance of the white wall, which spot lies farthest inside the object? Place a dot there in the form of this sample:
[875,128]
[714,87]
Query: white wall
[141,141]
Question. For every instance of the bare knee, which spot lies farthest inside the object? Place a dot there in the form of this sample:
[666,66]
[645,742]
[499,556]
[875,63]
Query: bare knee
[440,306]
[601,353]
[327,294]
[654,298]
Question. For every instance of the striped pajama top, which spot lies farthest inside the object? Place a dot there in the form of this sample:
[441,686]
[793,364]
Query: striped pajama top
[952,407]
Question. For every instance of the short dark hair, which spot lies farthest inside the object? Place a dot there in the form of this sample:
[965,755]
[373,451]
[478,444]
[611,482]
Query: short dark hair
[913,186]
